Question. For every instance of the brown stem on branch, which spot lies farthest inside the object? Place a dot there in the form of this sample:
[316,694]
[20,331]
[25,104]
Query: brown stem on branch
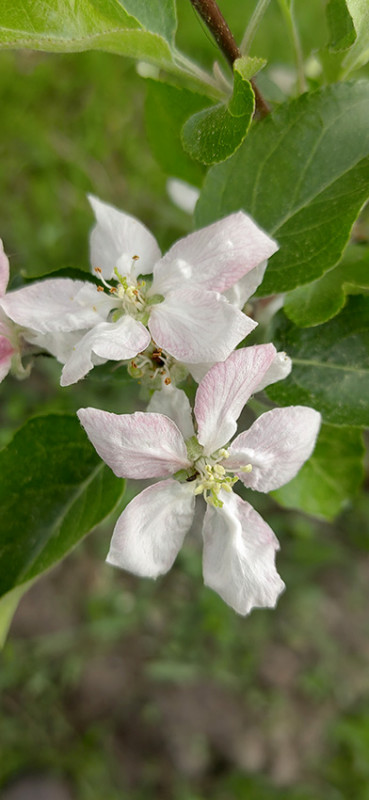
[214,20]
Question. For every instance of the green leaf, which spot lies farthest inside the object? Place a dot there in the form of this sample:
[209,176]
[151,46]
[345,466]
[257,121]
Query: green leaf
[54,489]
[166,109]
[358,55]
[76,25]
[330,365]
[342,32]
[212,135]
[322,299]
[330,478]
[303,174]
[157,16]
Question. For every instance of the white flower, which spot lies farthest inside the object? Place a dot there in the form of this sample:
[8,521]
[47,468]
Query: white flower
[239,547]
[12,338]
[182,308]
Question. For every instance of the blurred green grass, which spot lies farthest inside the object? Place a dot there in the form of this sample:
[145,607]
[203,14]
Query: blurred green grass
[95,654]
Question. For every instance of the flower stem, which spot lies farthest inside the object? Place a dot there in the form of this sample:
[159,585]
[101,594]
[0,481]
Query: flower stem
[253,25]
[214,20]
[288,13]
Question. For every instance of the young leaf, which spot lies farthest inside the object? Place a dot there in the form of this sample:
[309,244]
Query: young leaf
[212,135]
[330,365]
[341,28]
[322,299]
[166,109]
[330,478]
[62,26]
[54,489]
[303,174]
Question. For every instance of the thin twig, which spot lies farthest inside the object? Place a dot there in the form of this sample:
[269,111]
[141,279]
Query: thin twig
[214,20]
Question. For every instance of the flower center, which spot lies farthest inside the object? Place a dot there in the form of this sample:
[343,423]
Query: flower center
[130,294]
[209,476]
[154,366]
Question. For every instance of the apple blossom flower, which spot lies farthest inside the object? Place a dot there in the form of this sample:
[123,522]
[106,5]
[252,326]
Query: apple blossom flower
[12,338]
[7,347]
[17,341]
[239,547]
[182,308]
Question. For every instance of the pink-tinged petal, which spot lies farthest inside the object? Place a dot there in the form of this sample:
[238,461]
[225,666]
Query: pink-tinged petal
[118,237]
[151,530]
[246,287]
[138,445]
[279,369]
[109,341]
[224,391]
[175,404]
[214,257]
[4,270]
[195,326]
[277,445]
[57,304]
[239,556]
[6,353]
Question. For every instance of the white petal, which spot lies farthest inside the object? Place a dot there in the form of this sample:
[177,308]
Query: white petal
[57,304]
[277,445]
[279,369]
[239,556]
[175,404]
[183,194]
[119,237]
[4,270]
[246,287]
[115,341]
[198,371]
[60,345]
[224,391]
[214,257]
[196,326]
[151,530]
[138,445]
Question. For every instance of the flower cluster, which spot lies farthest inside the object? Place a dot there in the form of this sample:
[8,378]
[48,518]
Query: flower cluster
[167,316]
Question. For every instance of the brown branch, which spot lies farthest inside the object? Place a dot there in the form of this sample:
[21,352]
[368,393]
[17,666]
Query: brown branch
[214,20]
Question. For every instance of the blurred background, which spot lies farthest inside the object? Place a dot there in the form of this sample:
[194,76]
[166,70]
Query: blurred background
[114,688]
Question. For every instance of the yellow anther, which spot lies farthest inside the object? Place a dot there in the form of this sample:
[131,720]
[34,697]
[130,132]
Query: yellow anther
[219,470]
[246,468]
